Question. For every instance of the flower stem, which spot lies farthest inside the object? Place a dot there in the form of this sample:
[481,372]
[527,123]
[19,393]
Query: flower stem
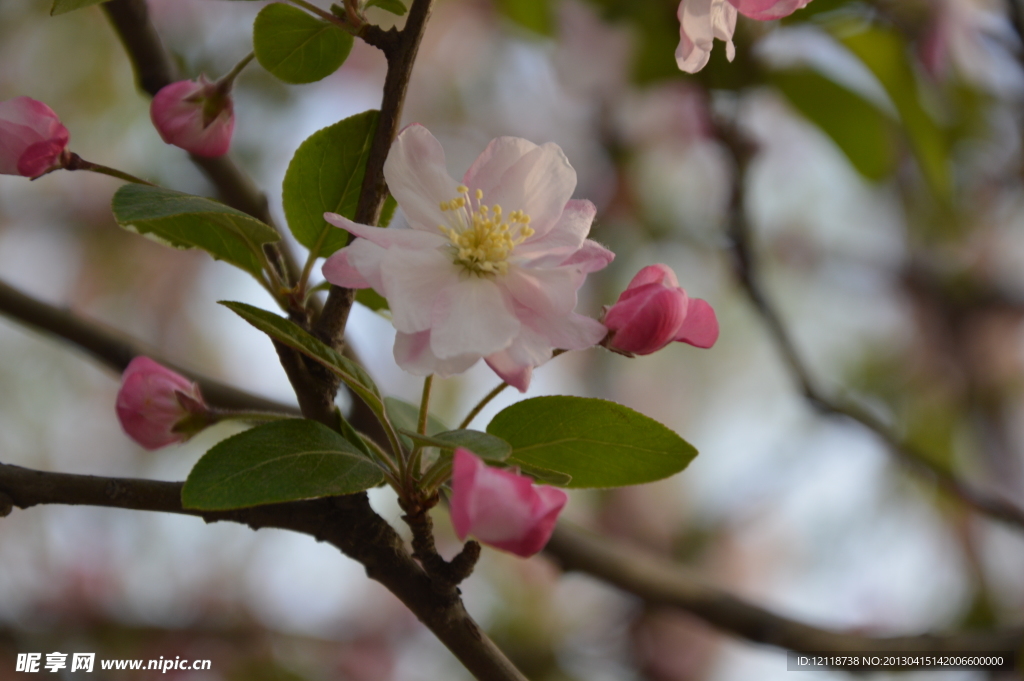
[481,404]
[436,475]
[76,162]
[326,16]
[253,416]
[226,81]
[494,393]
[421,425]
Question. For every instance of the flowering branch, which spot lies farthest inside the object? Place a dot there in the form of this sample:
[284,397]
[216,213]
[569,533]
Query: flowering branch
[154,70]
[746,271]
[374,543]
[116,350]
[659,582]
[348,523]
[400,49]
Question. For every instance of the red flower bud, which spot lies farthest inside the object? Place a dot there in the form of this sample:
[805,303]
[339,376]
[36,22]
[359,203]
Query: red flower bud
[32,138]
[155,404]
[653,311]
[197,116]
[502,509]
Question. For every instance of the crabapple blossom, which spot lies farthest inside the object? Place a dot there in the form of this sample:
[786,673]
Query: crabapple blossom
[197,116]
[653,311]
[491,265]
[155,404]
[500,508]
[701,21]
[32,138]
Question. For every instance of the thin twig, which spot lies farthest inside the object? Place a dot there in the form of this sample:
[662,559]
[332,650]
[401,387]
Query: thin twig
[116,350]
[154,69]
[660,582]
[400,49]
[745,263]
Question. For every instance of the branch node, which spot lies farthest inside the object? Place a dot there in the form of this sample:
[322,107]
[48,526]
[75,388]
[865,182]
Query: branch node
[444,575]
[6,505]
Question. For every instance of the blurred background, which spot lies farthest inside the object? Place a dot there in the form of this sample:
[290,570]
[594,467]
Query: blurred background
[884,196]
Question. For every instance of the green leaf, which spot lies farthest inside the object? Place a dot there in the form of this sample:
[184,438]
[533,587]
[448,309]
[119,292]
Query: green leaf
[405,416]
[886,55]
[865,134]
[65,6]
[291,334]
[544,476]
[598,443]
[353,436]
[482,444]
[535,15]
[393,6]
[298,47]
[186,221]
[326,175]
[280,461]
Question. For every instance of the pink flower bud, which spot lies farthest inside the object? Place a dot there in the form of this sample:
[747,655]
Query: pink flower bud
[32,138]
[197,116]
[156,404]
[653,311]
[502,509]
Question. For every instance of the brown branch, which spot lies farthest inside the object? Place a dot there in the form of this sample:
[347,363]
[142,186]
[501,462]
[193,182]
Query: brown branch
[116,350]
[353,527]
[400,49]
[660,582]
[745,265]
[154,70]
[348,523]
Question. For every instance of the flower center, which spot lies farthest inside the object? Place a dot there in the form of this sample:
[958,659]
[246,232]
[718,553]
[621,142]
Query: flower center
[482,237]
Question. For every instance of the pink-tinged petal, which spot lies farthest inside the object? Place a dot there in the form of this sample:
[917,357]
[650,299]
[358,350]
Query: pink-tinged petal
[537,339]
[387,237]
[515,374]
[413,280]
[591,257]
[515,364]
[654,274]
[40,157]
[574,332]
[700,22]
[472,318]
[563,240]
[413,354]
[767,10]
[540,183]
[32,138]
[147,403]
[194,116]
[500,508]
[648,320]
[700,328]
[547,292]
[494,161]
[418,178]
[339,270]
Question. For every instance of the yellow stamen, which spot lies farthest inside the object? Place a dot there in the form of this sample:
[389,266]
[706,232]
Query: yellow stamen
[481,239]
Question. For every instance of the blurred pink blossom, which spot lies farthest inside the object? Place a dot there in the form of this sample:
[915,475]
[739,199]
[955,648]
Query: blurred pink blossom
[197,116]
[701,21]
[653,311]
[154,401]
[502,509]
[474,280]
[32,138]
